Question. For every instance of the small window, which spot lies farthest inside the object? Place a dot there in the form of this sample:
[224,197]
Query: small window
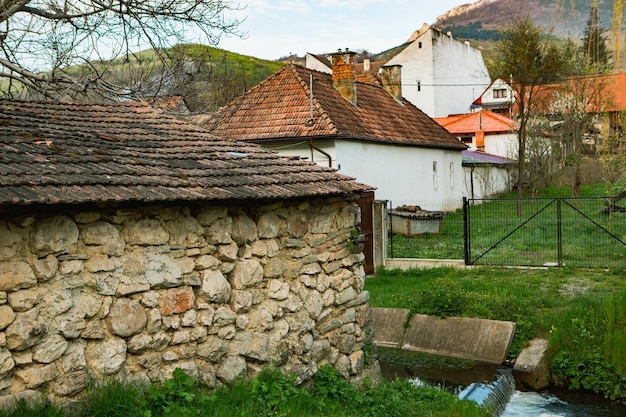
[435,175]
[499,93]
[419,85]
[419,45]
[466,139]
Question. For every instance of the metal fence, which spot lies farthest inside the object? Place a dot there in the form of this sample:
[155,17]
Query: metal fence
[530,232]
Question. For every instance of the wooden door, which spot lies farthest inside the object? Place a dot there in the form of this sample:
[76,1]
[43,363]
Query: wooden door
[366,203]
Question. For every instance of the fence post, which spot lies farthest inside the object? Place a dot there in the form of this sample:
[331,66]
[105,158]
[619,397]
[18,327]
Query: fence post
[390,228]
[466,232]
[559,232]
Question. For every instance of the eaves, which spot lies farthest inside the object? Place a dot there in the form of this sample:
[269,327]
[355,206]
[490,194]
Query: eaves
[356,138]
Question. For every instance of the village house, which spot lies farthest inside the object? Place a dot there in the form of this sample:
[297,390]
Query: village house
[484,131]
[489,161]
[487,175]
[366,130]
[441,75]
[133,243]
[499,98]
[602,96]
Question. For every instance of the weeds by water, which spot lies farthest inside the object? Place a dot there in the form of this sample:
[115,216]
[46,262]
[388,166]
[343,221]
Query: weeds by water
[582,312]
[588,345]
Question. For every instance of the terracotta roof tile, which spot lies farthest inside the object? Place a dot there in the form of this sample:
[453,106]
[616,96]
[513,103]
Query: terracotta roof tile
[488,122]
[59,152]
[280,106]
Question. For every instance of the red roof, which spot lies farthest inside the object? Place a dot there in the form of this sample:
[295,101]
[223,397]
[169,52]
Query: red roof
[488,122]
[600,93]
[280,107]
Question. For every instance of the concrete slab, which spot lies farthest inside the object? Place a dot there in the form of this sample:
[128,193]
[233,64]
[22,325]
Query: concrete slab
[388,326]
[531,369]
[467,338]
[406,264]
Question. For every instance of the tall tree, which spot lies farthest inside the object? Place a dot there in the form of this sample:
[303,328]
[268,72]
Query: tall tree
[594,45]
[530,59]
[61,48]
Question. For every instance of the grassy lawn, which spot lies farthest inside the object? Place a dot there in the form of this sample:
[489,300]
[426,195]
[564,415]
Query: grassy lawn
[581,312]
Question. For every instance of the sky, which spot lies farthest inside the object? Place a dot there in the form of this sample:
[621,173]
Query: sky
[278,28]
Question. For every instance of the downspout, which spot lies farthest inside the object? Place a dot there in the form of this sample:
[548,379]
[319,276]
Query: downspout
[310,123]
[472,181]
[326,154]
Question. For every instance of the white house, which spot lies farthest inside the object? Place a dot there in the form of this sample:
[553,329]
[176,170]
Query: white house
[441,75]
[486,175]
[499,97]
[365,130]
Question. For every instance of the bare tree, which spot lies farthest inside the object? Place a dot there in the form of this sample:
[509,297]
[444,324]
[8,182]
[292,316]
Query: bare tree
[530,59]
[62,48]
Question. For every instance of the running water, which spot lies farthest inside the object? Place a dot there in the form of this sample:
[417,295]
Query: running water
[534,404]
[556,403]
[493,395]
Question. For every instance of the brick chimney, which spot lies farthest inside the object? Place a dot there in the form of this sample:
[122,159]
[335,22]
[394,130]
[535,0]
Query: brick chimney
[392,81]
[344,75]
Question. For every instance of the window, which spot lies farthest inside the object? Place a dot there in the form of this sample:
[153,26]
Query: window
[499,93]
[419,85]
[435,175]
[466,139]
[419,45]
[451,175]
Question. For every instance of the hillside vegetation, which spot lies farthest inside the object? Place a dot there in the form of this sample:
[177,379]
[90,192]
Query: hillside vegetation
[205,77]
[482,19]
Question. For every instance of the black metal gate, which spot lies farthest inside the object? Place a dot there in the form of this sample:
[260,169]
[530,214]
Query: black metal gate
[577,232]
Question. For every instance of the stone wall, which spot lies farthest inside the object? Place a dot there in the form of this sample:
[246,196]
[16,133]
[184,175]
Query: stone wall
[220,292]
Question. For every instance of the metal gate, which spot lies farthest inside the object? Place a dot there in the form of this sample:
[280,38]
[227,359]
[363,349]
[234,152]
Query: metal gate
[579,232]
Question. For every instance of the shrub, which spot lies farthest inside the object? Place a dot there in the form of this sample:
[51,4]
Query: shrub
[446,298]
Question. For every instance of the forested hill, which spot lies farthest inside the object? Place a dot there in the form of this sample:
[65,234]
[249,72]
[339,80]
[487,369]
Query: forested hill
[481,19]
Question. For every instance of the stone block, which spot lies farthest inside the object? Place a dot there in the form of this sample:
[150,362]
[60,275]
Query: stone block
[531,368]
[388,325]
[460,337]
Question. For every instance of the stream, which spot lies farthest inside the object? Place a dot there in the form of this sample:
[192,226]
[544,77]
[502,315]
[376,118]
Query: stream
[478,382]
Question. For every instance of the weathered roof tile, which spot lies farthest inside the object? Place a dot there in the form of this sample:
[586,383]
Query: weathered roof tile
[280,106]
[59,152]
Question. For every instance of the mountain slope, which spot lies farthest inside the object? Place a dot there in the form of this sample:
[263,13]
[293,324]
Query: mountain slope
[564,18]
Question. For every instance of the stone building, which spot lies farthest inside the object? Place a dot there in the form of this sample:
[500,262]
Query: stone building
[132,244]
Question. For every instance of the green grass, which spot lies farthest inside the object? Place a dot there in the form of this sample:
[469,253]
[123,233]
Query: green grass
[271,394]
[581,312]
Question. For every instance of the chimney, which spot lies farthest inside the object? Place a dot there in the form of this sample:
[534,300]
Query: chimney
[344,75]
[366,65]
[392,80]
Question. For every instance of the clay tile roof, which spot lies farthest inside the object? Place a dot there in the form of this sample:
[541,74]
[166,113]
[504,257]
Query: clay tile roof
[280,106]
[472,122]
[59,152]
[604,93]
